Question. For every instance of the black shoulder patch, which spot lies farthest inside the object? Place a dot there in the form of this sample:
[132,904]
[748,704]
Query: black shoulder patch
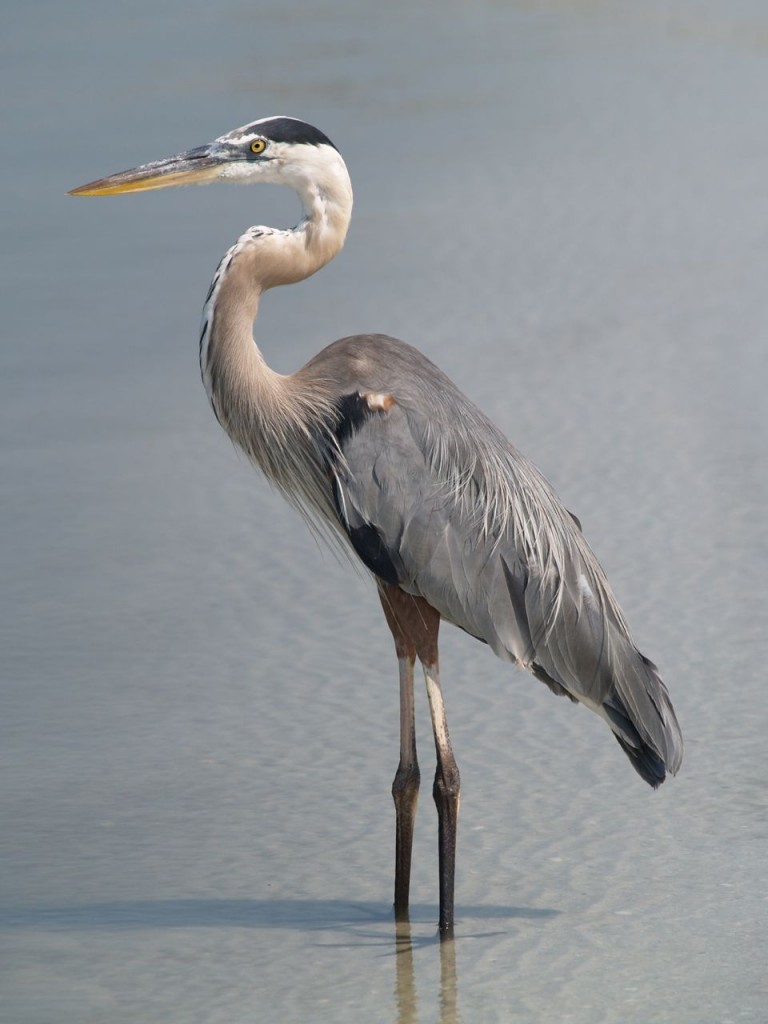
[353,411]
[367,542]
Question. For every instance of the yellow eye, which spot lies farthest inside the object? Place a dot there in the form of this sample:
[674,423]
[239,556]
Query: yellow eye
[258,146]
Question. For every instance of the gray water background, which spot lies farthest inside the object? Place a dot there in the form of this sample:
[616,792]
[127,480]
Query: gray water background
[565,204]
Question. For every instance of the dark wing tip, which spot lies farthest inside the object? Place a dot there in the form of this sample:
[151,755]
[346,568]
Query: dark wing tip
[651,761]
[646,762]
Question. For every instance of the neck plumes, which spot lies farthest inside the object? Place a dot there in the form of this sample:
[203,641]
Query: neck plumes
[281,422]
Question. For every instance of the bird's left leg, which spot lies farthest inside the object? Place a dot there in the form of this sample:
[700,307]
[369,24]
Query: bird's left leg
[445,791]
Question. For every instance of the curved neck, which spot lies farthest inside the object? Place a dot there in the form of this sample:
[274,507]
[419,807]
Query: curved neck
[257,406]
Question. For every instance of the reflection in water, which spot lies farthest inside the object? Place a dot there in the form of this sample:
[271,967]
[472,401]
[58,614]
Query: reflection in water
[449,1000]
[405,981]
[406,999]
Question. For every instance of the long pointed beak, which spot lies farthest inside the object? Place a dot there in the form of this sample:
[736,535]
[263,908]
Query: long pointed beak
[195,167]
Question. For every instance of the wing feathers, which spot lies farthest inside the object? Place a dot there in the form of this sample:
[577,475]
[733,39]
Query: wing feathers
[452,512]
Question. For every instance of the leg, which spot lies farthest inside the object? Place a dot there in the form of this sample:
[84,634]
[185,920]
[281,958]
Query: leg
[405,788]
[446,795]
[414,625]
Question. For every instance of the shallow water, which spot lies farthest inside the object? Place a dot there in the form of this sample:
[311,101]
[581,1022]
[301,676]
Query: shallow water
[564,204]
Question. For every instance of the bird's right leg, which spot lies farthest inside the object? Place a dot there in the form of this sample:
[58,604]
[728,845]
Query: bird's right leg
[405,788]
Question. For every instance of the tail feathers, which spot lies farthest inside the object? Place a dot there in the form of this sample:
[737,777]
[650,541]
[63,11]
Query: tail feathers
[646,762]
[652,740]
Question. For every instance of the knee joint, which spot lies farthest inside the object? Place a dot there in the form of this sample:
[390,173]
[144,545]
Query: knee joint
[447,786]
[406,781]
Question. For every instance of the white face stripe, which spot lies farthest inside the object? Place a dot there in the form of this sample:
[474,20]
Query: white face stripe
[239,140]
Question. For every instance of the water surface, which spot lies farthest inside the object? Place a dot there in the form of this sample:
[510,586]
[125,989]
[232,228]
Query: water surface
[564,204]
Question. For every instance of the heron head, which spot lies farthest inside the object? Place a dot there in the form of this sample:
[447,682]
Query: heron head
[278,150]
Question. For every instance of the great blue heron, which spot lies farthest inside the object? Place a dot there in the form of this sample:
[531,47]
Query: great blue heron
[372,440]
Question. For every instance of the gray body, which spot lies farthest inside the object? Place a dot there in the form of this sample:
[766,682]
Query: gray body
[376,446]
[470,525]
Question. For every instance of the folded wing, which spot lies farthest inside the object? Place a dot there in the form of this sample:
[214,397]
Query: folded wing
[457,516]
